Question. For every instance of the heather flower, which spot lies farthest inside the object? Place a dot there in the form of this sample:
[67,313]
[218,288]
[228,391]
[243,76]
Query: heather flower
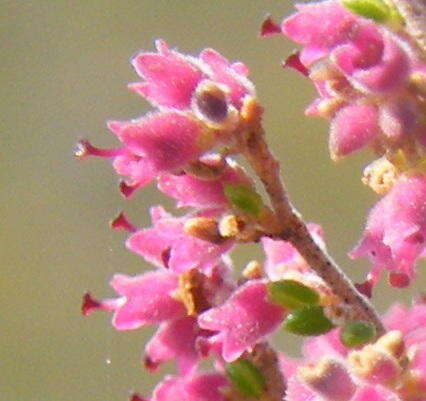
[166,244]
[392,368]
[145,299]
[207,192]
[175,339]
[243,320]
[193,387]
[363,72]
[198,101]
[395,233]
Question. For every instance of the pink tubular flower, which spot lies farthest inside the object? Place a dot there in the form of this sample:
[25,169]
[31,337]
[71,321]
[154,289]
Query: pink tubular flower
[203,193]
[244,319]
[395,233]
[144,299]
[357,66]
[198,101]
[175,340]
[391,369]
[195,387]
[166,244]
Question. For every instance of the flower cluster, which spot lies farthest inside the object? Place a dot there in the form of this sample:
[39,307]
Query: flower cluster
[371,82]
[392,368]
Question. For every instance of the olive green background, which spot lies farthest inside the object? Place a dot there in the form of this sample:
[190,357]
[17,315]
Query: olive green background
[64,67]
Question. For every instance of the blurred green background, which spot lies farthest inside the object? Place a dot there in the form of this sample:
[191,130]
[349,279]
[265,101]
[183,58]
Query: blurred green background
[63,71]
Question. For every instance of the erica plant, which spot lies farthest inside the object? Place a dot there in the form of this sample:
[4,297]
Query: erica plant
[366,58]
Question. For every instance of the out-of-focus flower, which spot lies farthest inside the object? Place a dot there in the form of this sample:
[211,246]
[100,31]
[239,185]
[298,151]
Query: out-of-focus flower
[392,368]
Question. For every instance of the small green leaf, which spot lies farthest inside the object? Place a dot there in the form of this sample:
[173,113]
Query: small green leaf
[308,321]
[376,10]
[246,378]
[244,198]
[291,294]
[357,333]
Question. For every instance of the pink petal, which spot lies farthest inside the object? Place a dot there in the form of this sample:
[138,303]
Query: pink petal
[352,128]
[245,318]
[170,77]
[147,299]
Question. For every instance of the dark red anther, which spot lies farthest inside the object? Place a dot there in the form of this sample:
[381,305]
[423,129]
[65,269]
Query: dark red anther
[165,257]
[122,223]
[149,364]
[126,189]
[269,27]
[136,397]
[89,304]
[398,280]
[365,288]
[293,61]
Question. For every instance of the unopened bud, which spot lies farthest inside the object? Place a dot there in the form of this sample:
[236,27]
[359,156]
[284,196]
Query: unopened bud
[205,228]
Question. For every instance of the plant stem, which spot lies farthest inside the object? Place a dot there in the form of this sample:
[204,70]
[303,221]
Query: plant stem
[294,230]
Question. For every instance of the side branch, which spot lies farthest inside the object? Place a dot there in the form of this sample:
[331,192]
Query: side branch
[357,307]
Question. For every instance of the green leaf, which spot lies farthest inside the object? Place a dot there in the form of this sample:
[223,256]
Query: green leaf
[244,198]
[308,321]
[246,378]
[291,294]
[357,333]
[376,10]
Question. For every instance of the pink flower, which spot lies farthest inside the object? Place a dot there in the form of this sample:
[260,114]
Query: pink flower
[320,27]
[144,299]
[391,369]
[244,319]
[195,387]
[175,340]
[395,233]
[352,128]
[198,101]
[203,193]
[166,244]
[171,78]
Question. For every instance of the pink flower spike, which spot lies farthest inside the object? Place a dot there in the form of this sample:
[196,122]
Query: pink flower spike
[167,241]
[147,298]
[244,319]
[170,77]
[269,27]
[175,340]
[197,387]
[395,233]
[163,141]
[352,128]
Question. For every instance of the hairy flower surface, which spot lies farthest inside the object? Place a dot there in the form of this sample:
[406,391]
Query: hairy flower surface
[395,233]
[244,319]
[166,244]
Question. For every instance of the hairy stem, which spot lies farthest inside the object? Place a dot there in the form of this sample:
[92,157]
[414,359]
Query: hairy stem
[414,14]
[357,307]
